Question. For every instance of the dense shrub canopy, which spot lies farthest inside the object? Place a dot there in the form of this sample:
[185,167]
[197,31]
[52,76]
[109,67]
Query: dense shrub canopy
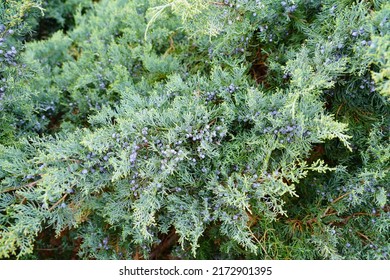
[181,129]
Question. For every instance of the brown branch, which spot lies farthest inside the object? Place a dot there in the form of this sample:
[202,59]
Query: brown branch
[58,202]
[329,212]
[364,236]
[340,197]
[212,122]
[165,245]
[137,255]
[32,184]
[219,4]
[347,218]
[259,242]
[171,45]
[338,110]
[72,160]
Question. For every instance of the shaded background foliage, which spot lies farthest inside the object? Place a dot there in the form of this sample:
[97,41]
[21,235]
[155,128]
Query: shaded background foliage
[194,129]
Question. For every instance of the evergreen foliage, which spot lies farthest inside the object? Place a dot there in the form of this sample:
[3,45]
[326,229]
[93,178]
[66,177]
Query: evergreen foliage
[234,129]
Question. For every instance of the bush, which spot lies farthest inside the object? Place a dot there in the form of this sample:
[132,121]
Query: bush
[196,129]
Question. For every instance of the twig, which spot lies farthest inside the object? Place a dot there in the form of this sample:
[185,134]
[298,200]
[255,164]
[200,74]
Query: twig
[219,4]
[171,46]
[32,184]
[338,110]
[340,197]
[328,212]
[364,236]
[165,245]
[159,9]
[259,242]
[72,160]
[58,202]
[347,218]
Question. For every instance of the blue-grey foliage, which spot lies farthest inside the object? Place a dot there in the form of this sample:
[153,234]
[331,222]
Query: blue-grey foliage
[195,129]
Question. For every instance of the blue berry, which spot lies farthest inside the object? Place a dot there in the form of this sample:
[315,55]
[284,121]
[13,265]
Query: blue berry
[291,9]
[133,157]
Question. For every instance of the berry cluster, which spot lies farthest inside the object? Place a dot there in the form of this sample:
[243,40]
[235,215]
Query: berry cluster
[267,35]
[367,85]
[99,163]
[285,133]
[101,80]
[7,52]
[356,33]
[104,244]
[171,155]
[362,35]
[287,7]
[242,45]
[231,88]
[135,187]
[133,156]
[210,96]
[210,134]
[2,88]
